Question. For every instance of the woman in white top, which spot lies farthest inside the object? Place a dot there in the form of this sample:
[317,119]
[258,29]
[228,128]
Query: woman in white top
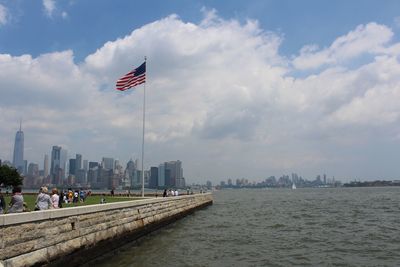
[55,198]
[43,201]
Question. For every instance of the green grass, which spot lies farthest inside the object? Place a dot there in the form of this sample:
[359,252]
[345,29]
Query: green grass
[95,199]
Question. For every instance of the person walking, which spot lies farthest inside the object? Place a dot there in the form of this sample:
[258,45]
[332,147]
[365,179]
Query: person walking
[2,203]
[61,199]
[76,197]
[17,201]
[43,201]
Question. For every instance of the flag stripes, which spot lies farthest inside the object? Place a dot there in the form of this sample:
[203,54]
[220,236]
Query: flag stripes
[132,78]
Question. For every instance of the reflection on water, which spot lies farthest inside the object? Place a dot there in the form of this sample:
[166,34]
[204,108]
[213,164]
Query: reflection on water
[279,227]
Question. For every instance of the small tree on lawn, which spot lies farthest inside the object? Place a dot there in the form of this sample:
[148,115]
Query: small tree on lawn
[9,176]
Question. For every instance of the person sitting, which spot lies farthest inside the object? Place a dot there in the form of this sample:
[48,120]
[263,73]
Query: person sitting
[17,201]
[43,201]
[55,199]
[103,199]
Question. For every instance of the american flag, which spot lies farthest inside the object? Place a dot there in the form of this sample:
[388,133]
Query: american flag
[133,78]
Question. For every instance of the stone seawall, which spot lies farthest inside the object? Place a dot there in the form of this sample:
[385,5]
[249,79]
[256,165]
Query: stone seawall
[76,235]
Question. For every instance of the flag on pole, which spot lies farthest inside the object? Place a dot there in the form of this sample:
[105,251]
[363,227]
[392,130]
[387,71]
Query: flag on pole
[133,78]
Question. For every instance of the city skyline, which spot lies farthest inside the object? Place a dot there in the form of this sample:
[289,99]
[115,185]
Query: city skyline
[72,166]
[235,89]
[108,173]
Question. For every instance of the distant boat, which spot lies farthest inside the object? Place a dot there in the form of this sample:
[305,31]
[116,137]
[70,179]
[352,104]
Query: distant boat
[293,186]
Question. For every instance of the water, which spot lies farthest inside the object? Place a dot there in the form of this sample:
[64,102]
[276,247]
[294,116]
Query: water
[278,227]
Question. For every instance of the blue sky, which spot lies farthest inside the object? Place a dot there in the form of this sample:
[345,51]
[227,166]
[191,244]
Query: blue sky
[88,26]
[246,88]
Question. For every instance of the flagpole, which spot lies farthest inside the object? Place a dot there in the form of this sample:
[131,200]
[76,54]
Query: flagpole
[144,116]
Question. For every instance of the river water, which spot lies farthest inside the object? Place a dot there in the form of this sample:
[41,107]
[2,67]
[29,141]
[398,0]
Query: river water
[277,227]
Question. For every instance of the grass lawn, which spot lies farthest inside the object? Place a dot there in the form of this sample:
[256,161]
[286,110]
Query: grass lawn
[95,199]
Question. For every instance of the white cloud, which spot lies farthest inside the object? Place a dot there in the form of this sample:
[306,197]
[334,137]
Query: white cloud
[4,15]
[219,94]
[49,7]
[365,39]
[377,104]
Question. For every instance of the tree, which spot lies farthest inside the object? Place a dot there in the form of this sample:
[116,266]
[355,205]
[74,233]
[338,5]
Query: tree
[9,176]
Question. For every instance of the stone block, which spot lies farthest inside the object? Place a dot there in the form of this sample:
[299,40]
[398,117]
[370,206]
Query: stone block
[63,248]
[17,249]
[16,218]
[37,256]
[9,230]
[25,236]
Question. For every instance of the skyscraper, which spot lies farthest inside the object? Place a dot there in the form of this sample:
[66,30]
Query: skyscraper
[161,175]
[63,163]
[72,167]
[175,168]
[18,158]
[153,183]
[86,165]
[108,163]
[78,162]
[130,173]
[46,165]
[55,169]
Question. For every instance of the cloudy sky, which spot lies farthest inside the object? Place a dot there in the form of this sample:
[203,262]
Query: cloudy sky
[234,88]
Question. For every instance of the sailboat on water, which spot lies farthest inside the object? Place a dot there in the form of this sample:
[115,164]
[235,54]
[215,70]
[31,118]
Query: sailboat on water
[293,186]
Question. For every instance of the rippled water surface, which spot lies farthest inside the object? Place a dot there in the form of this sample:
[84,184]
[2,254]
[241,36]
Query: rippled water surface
[278,227]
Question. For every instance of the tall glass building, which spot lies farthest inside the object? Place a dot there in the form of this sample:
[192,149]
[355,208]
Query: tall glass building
[18,158]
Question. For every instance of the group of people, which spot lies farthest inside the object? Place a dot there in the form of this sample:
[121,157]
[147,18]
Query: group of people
[44,199]
[170,193]
[76,196]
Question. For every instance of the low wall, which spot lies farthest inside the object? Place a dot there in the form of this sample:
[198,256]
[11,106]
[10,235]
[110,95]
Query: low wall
[76,235]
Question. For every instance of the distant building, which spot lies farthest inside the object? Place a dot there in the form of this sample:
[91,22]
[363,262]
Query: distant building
[55,167]
[80,177]
[161,175]
[153,183]
[46,166]
[63,163]
[93,164]
[18,158]
[129,176]
[168,180]
[108,163]
[104,178]
[32,175]
[78,162]
[176,173]
[25,167]
[33,169]
[92,176]
[86,165]
[72,166]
